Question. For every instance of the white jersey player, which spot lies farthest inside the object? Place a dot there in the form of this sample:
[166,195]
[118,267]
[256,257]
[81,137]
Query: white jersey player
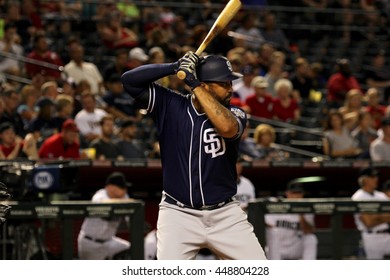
[374,228]
[97,240]
[245,188]
[290,236]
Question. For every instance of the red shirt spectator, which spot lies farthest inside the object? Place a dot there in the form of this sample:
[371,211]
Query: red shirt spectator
[11,145]
[285,113]
[340,83]
[285,108]
[42,53]
[62,145]
[260,104]
[374,108]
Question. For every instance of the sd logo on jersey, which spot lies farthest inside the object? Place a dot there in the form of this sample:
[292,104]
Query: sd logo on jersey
[214,144]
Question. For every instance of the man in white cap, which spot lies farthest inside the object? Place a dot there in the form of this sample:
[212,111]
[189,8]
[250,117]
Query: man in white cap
[137,57]
[260,103]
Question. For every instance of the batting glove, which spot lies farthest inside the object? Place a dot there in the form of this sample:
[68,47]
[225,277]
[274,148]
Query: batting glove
[188,64]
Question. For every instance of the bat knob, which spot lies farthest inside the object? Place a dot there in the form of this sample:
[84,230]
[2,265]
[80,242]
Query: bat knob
[181,74]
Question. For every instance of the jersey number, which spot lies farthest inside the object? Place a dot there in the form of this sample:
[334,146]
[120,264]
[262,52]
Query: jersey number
[214,144]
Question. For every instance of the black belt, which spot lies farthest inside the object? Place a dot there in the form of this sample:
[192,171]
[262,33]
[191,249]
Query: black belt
[170,200]
[95,239]
[379,231]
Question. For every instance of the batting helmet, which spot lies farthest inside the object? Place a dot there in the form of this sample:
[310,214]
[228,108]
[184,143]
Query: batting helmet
[215,68]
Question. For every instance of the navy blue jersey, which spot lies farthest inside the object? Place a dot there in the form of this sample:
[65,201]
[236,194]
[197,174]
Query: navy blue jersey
[199,166]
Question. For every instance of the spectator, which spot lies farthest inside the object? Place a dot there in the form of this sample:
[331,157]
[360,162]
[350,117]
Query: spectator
[88,119]
[248,147]
[260,104]
[119,104]
[243,87]
[64,110]
[373,227]
[44,122]
[105,146]
[79,69]
[9,44]
[42,53]
[364,134]
[275,71]
[11,100]
[291,236]
[340,83]
[374,108]
[119,65]
[249,29]
[96,239]
[352,108]
[129,147]
[50,90]
[380,147]
[62,145]
[301,80]
[272,34]
[377,75]
[69,89]
[285,108]
[264,137]
[114,35]
[137,57]
[27,108]
[338,142]
[11,145]
[386,188]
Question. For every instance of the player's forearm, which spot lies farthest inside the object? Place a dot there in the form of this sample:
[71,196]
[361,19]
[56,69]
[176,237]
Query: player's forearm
[135,81]
[223,120]
[371,220]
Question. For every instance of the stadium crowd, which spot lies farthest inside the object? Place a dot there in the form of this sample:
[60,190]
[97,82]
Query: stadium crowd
[61,61]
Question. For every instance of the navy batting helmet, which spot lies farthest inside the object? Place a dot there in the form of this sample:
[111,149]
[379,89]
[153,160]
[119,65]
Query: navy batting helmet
[215,68]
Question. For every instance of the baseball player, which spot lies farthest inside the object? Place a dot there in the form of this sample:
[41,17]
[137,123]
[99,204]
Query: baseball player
[245,188]
[97,240]
[199,135]
[374,228]
[291,236]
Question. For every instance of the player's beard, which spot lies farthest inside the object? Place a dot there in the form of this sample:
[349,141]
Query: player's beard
[225,101]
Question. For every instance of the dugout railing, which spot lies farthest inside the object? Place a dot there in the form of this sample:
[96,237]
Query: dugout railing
[23,215]
[336,239]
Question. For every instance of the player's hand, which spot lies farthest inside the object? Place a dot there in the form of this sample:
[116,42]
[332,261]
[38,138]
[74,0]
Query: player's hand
[188,64]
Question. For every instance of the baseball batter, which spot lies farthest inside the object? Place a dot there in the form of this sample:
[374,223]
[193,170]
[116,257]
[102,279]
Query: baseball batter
[199,135]
[374,228]
[290,236]
[97,240]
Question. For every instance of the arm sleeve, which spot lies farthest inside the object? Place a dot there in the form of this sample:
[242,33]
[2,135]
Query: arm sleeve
[137,81]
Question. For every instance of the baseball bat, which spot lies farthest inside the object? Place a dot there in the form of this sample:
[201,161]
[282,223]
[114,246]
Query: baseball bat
[230,10]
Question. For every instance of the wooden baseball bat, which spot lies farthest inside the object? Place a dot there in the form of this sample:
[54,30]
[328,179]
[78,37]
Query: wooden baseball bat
[230,10]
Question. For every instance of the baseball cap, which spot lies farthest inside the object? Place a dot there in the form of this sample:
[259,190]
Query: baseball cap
[5,125]
[44,101]
[259,82]
[385,121]
[295,187]
[69,124]
[139,54]
[369,171]
[117,179]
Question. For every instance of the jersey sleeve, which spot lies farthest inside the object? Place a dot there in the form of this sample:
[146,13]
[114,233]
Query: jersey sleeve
[241,119]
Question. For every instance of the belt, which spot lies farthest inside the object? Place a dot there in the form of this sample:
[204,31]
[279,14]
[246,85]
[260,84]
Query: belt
[170,200]
[379,231]
[95,239]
